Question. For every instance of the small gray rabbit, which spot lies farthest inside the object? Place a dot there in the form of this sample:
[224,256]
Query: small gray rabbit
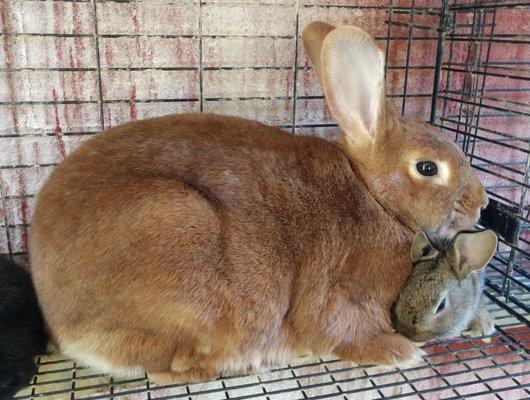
[443,296]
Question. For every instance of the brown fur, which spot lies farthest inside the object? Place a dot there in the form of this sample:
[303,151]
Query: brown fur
[192,245]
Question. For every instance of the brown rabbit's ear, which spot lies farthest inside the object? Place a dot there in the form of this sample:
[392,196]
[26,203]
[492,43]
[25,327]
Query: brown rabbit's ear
[353,69]
[473,251]
[312,36]
[422,248]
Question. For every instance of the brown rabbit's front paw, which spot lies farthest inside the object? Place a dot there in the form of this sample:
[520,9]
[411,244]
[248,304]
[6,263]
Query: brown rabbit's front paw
[398,351]
[385,349]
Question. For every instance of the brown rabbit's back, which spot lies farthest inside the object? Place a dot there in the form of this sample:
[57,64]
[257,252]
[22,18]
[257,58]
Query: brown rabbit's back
[187,230]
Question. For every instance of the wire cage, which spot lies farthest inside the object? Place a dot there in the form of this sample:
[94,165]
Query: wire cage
[69,69]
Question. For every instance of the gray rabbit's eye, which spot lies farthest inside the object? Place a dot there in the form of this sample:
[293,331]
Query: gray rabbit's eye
[441,306]
[427,168]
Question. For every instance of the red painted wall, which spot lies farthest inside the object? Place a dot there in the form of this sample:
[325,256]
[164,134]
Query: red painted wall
[69,69]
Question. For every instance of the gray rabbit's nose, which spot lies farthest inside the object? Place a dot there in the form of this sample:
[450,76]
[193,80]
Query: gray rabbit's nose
[414,320]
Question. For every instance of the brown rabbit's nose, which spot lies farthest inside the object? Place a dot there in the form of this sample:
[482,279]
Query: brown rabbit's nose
[481,195]
[485,201]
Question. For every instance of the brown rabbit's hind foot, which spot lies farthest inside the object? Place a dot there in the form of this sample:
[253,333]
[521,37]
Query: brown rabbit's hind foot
[386,349]
[189,354]
[78,351]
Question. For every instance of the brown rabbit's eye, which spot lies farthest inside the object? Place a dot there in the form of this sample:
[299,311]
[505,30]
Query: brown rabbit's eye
[427,168]
[441,306]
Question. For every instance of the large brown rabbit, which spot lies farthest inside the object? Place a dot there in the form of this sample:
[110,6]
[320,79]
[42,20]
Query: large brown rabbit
[193,245]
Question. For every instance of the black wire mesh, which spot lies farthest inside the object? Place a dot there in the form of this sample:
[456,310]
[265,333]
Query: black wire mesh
[484,103]
[475,57]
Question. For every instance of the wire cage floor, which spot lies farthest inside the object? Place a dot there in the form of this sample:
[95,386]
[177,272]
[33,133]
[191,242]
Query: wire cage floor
[453,369]
[494,367]
[460,64]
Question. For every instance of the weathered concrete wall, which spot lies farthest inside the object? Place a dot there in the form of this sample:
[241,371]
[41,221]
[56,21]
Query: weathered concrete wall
[69,69]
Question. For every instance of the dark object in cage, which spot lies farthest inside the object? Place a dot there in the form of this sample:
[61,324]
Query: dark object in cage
[481,98]
[22,334]
[502,219]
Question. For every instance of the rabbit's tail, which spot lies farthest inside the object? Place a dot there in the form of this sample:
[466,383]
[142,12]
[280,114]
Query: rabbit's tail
[22,333]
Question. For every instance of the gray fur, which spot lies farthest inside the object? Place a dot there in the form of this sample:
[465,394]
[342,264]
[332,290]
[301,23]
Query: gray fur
[433,279]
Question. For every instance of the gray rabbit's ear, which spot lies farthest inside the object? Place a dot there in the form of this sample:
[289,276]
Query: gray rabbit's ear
[422,249]
[472,251]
